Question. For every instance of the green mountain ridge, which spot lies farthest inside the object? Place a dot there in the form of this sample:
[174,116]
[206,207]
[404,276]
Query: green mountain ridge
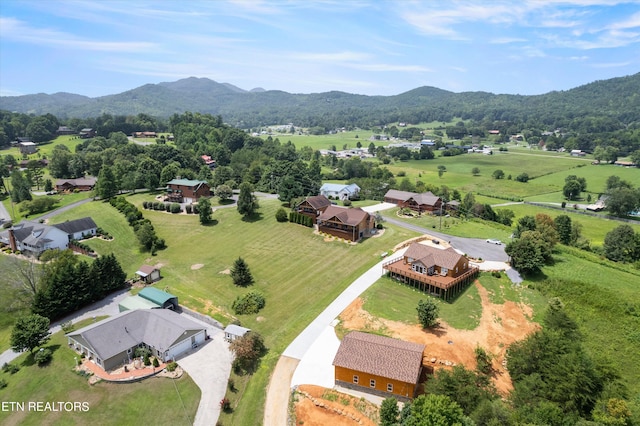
[618,98]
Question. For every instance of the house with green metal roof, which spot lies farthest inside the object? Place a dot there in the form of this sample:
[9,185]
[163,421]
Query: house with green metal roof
[187,190]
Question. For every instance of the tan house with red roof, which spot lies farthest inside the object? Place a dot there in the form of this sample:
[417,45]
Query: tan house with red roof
[348,223]
[420,202]
[379,365]
[440,272]
[314,206]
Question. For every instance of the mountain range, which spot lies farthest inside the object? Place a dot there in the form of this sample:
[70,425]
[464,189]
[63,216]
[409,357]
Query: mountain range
[617,98]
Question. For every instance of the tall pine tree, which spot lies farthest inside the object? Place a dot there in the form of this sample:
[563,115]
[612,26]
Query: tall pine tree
[240,273]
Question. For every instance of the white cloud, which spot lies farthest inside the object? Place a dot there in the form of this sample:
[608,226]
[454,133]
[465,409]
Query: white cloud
[16,30]
[611,65]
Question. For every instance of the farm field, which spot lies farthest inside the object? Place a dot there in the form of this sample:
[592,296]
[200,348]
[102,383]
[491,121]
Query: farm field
[109,403]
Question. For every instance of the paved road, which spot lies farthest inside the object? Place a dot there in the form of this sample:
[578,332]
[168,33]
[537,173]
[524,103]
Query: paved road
[474,247]
[64,209]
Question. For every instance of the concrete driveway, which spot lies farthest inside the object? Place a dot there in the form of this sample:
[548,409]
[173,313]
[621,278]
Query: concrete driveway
[209,366]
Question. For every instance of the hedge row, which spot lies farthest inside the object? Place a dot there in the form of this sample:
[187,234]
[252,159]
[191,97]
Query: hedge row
[301,219]
[142,227]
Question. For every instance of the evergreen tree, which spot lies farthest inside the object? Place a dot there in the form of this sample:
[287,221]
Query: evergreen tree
[21,187]
[204,210]
[241,274]
[247,202]
[563,226]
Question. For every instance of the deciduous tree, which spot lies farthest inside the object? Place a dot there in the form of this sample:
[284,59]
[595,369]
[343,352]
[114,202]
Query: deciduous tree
[29,332]
[427,313]
[204,210]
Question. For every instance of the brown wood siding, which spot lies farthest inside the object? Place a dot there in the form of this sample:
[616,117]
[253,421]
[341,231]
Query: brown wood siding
[402,389]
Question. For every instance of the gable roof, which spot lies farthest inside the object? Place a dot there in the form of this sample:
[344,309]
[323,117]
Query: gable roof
[155,295]
[338,187]
[145,270]
[318,201]
[236,330]
[160,328]
[88,181]
[399,195]
[426,198]
[431,256]
[30,233]
[348,216]
[75,226]
[380,356]
[190,183]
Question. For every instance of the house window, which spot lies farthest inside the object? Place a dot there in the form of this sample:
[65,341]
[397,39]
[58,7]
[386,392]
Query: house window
[129,350]
[372,383]
[355,379]
[444,271]
[389,387]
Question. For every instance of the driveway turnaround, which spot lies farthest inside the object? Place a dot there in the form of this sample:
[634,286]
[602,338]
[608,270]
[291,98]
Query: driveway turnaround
[209,366]
[276,406]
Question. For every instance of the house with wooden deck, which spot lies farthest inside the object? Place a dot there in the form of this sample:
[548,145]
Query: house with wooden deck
[313,206]
[436,271]
[349,223]
[379,365]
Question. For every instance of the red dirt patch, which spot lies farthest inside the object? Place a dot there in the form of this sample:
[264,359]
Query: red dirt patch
[500,325]
[318,406]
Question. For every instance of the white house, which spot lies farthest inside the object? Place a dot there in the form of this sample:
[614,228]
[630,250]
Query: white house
[340,191]
[79,228]
[34,237]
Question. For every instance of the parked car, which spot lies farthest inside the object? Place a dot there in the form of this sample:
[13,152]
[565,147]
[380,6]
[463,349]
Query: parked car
[493,241]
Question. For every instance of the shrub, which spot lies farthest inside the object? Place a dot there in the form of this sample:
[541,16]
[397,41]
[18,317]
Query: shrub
[346,203]
[401,173]
[3,383]
[188,208]
[167,207]
[225,405]
[175,208]
[196,210]
[250,303]
[156,364]
[67,326]
[281,215]
[496,274]
[43,356]
[172,366]
[146,360]
[10,368]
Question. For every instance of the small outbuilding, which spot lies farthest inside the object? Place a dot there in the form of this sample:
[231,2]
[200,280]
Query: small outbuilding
[233,332]
[161,298]
[148,274]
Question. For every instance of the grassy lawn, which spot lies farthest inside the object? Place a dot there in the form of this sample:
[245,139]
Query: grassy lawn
[296,289]
[593,228]
[7,314]
[392,300]
[109,403]
[61,201]
[603,298]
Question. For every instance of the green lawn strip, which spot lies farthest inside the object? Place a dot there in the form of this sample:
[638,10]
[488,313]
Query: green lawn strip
[391,300]
[109,404]
[596,176]
[61,201]
[8,314]
[593,228]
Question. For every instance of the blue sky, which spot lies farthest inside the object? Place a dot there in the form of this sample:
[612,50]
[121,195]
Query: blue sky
[527,47]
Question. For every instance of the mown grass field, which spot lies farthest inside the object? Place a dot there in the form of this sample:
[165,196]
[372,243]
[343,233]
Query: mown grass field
[166,401]
[298,272]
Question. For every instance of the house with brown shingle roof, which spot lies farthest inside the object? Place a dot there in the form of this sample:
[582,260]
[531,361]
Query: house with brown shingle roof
[313,206]
[348,223]
[378,365]
[420,202]
[437,271]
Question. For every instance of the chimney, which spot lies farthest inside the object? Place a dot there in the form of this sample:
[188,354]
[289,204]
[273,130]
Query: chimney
[12,240]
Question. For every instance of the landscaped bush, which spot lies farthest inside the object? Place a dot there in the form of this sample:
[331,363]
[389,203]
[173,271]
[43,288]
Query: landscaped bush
[250,303]
[188,208]
[175,208]
[142,227]
[167,207]
[3,383]
[146,360]
[172,366]
[281,215]
[301,219]
[10,368]
[196,210]
[156,364]
[346,203]
[43,356]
